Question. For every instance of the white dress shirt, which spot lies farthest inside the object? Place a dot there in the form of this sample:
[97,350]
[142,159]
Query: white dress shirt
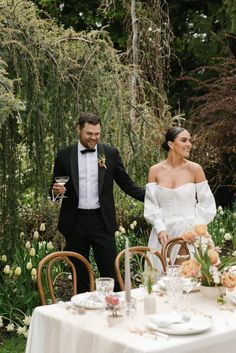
[88,179]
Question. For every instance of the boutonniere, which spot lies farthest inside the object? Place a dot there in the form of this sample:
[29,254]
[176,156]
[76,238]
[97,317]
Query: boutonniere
[102,161]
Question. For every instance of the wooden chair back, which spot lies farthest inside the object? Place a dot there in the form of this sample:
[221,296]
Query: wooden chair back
[136,250]
[46,273]
[183,253]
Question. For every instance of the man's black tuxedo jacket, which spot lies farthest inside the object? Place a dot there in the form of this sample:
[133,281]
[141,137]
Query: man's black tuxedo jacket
[66,163]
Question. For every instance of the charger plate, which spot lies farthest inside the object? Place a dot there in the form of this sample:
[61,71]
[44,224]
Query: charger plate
[165,323]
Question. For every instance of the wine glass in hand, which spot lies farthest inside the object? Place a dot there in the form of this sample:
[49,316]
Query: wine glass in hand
[62,180]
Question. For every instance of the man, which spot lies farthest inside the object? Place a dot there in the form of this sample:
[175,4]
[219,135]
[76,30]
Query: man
[87,216]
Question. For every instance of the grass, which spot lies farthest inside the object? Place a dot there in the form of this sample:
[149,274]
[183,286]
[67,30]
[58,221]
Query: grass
[12,344]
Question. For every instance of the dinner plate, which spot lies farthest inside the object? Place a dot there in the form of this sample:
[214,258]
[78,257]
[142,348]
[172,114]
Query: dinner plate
[167,323]
[88,301]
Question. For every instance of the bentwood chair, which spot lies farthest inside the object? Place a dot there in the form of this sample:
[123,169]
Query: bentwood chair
[52,266]
[138,257]
[183,251]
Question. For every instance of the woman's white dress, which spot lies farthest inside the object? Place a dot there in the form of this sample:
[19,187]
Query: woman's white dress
[177,210]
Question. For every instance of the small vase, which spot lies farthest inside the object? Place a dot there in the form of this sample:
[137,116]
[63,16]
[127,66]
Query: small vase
[149,304]
[212,292]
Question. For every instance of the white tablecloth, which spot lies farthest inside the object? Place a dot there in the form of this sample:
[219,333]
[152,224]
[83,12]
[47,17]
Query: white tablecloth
[55,329]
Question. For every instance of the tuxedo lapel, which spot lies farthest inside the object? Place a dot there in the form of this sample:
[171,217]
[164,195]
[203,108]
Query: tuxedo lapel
[74,168]
[101,170]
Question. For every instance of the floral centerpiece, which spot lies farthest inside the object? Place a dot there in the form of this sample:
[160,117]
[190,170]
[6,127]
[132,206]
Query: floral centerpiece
[113,303]
[206,264]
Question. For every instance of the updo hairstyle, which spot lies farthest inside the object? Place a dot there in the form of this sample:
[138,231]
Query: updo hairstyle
[170,135]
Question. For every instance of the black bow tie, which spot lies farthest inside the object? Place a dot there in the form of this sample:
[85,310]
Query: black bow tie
[88,150]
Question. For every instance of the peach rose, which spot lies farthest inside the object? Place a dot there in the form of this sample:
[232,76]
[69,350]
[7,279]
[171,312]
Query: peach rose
[201,229]
[190,268]
[189,236]
[228,280]
[213,255]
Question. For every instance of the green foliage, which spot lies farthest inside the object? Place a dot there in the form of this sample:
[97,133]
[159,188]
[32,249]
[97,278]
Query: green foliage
[14,344]
[58,73]
[8,102]
[223,231]
[19,276]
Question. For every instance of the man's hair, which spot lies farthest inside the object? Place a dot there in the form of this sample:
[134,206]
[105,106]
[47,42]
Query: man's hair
[90,118]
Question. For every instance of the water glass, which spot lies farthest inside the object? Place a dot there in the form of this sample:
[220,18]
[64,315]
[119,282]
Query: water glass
[104,286]
[173,270]
[174,290]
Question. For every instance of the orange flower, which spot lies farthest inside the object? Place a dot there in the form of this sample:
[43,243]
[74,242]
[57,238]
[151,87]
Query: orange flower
[189,236]
[213,255]
[190,268]
[228,280]
[201,229]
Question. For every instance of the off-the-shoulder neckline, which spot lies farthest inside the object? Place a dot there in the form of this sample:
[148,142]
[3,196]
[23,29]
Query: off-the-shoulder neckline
[179,187]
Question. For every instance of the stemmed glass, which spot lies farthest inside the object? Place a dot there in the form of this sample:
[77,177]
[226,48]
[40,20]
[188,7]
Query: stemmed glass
[62,180]
[174,285]
[188,284]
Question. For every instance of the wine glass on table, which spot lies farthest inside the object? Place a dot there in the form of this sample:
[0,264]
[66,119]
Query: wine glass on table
[62,180]
[189,283]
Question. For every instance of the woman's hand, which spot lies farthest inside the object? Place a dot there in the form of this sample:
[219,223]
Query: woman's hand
[162,237]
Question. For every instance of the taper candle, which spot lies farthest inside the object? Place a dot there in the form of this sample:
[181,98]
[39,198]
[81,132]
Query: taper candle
[127,274]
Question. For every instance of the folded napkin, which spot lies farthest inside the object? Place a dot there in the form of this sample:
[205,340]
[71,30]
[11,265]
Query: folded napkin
[87,300]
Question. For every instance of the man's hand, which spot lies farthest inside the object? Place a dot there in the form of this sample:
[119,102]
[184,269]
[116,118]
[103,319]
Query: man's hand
[58,189]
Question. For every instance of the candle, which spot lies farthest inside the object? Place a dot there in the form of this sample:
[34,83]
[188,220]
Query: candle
[127,274]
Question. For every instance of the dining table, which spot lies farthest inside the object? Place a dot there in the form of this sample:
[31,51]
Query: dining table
[65,328]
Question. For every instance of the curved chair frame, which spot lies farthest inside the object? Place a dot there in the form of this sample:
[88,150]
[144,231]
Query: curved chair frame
[167,248]
[139,250]
[49,260]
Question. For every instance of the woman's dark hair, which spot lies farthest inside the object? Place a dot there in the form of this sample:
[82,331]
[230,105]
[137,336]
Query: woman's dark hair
[170,135]
[90,118]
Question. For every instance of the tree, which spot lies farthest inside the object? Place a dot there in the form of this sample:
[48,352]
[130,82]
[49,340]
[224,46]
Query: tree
[57,73]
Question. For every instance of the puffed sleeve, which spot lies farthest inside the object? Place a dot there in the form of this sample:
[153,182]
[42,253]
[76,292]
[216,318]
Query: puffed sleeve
[206,207]
[152,211]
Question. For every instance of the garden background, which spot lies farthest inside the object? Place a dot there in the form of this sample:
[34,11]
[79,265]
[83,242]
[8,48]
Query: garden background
[142,65]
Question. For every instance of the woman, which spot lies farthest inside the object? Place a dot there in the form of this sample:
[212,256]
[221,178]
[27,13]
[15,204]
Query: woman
[177,194]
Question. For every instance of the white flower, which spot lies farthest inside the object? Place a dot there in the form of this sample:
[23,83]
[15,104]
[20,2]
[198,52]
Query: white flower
[227,236]
[32,252]
[18,271]
[221,212]
[221,230]
[50,245]
[6,269]
[33,272]
[220,208]
[22,235]
[21,330]
[29,265]
[122,230]
[234,253]
[133,225]
[27,320]
[1,322]
[234,214]
[117,233]
[27,245]
[10,327]
[42,227]
[36,235]
[216,279]
[4,258]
